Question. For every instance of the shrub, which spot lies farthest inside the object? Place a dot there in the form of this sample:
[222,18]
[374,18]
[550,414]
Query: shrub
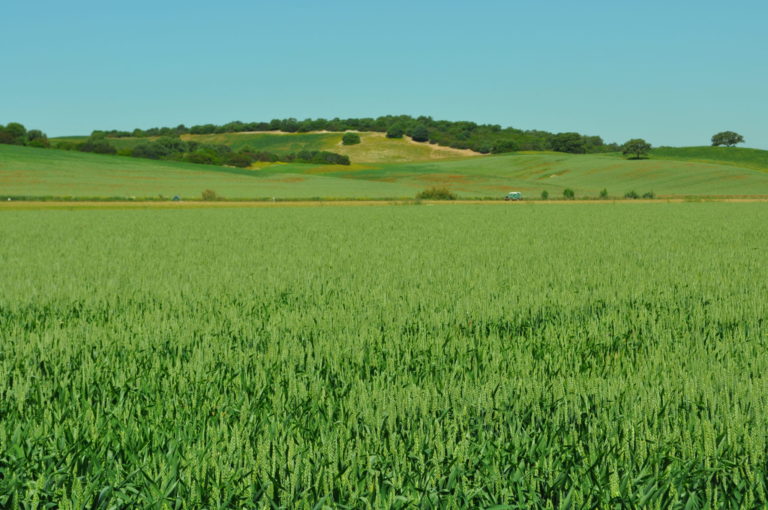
[98,146]
[209,195]
[631,194]
[649,194]
[395,131]
[436,194]
[239,159]
[505,146]
[350,139]
[545,195]
[569,194]
[604,193]
[420,134]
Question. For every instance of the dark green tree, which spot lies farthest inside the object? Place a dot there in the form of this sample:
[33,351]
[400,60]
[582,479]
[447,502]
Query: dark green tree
[350,138]
[635,148]
[15,133]
[420,134]
[568,142]
[395,131]
[727,138]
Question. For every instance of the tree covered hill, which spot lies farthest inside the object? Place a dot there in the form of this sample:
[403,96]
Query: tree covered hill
[483,138]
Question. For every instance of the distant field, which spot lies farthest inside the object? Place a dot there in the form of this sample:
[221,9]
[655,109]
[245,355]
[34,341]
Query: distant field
[39,172]
[746,158]
[44,172]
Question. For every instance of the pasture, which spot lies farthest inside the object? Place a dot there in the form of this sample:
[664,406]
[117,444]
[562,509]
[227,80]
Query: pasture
[385,357]
[398,174]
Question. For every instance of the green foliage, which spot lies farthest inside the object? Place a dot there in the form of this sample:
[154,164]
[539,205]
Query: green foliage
[604,193]
[569,194]
[16,134]
[636,148]
[404,357]
[420,133]
[395,131]
[209,195]
[545,195]
[649,194]
[97,145]
[504,146]
[436,193]
[727,138]
[631,194]
[568,142]
[350,138]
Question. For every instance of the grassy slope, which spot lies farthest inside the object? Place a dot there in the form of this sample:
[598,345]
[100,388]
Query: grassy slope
[746,158]
[374,147]
[586,174]
[25,171]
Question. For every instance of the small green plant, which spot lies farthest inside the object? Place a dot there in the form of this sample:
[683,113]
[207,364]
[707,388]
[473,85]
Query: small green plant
[209,195]
[604,193]
[649,194]
[631,195]
[569,194]
[436,194]
[545,195]
[350,138]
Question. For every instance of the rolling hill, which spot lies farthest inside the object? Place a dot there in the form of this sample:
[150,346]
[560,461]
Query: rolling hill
[382,168]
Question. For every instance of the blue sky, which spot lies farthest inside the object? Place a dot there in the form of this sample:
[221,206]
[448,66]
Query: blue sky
[672,72]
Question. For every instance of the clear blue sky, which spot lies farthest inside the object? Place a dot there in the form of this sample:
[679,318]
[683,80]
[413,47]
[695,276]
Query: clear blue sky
[672,72]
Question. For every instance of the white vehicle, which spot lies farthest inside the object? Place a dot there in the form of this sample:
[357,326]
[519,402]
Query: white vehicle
[513,195]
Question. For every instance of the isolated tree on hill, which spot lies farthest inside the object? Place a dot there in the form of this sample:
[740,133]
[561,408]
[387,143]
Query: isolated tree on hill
[350,138]
[727,138]
[636,148]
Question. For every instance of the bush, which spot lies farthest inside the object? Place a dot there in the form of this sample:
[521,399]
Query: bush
[505,146]
[209,195]
[631,195]
[649,194]
[420,134]
[604,193]
[239,160]
[350,139]
[569,194]
[436,194]
[545,195]
[97,145]
[395,131]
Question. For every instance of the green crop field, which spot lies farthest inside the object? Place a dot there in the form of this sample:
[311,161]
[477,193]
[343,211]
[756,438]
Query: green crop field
[556,356]
[32,172]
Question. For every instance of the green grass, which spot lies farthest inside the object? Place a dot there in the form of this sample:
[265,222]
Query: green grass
[39,172]
[746,158]
[586,174]
[601,356]
[26,171]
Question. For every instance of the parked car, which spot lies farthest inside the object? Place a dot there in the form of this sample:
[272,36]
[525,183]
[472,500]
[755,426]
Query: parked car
[513,195]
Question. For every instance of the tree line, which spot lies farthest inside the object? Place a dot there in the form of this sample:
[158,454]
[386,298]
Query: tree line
[173,148]
[483,138]
[14,133]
